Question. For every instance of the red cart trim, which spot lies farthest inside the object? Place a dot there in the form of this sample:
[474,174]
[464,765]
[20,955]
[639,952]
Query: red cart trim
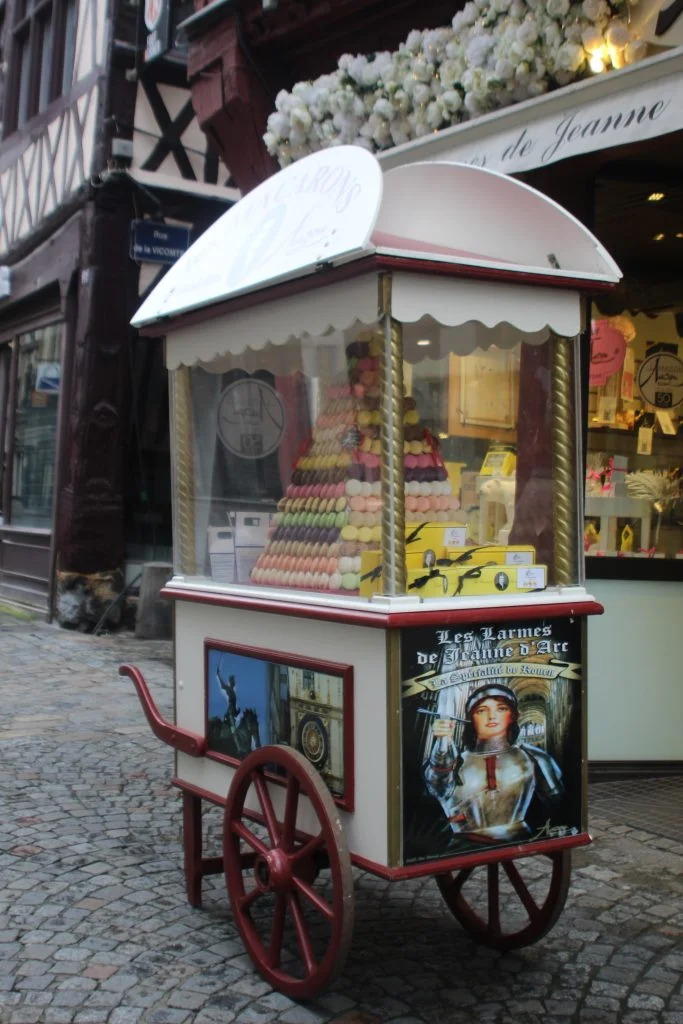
[471,860]
[431,867]
[182,739]
[410,264]
[389,620]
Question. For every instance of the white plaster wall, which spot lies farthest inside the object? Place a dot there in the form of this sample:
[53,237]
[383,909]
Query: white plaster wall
[635,672]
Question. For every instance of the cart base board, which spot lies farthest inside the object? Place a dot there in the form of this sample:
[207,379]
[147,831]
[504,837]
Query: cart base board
[197,866]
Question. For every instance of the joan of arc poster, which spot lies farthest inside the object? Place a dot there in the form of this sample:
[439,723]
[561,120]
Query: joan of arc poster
[491,736]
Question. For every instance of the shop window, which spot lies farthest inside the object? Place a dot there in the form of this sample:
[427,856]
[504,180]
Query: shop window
[41,57]
[634,464]
[31,436]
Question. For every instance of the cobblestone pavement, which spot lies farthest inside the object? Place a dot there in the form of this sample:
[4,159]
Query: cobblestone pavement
[95,928]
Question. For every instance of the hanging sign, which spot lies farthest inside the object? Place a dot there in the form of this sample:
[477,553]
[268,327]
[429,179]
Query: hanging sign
[152,242]
[660,380]
[157,19]
[608,348]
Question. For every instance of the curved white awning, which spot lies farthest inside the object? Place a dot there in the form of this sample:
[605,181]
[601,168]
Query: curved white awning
[457,314]
[334,207]
[474,217]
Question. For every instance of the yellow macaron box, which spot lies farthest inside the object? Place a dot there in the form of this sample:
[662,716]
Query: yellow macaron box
[483,569]
[475,580]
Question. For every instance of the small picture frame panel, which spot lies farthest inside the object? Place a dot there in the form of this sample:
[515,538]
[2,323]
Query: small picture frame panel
[256,697]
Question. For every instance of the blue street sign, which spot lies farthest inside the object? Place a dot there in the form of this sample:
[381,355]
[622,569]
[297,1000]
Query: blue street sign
[151,242]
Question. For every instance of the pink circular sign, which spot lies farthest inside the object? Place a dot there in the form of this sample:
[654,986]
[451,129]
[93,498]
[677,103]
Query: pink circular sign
[608,348]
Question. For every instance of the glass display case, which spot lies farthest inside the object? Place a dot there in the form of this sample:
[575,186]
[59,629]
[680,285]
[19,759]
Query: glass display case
[287,451]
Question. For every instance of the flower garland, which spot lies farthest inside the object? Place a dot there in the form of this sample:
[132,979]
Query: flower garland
[496,52]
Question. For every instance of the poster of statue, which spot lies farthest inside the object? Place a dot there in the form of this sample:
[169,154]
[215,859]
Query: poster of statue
[253,701]
[491,736]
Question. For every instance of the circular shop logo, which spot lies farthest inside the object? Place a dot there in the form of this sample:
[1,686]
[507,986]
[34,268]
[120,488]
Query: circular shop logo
[153,9]
[251,418]
[501,581]
[660,380]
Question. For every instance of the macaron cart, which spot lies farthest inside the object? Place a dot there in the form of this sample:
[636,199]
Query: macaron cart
[367,673]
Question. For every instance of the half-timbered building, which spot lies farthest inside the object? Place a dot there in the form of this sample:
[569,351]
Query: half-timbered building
[100,149]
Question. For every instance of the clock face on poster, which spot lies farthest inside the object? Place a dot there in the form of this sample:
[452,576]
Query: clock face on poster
[251,418]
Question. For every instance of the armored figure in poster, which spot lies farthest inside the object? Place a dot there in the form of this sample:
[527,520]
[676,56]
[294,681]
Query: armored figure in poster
[486,788]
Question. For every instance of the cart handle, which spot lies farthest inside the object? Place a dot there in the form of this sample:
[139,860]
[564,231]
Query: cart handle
[182,739]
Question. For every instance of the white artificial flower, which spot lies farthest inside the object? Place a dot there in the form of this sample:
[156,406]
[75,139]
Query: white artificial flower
[421,94]
[464,19]
[635,50]
[278,123]
[572,32]
[272,141]
[504,69]
[592,40]
[283,101]
[400,131]
[478,50]
[557,8]
[414,41]
[527,33]
[452,101]
[383,108]
[435,115]
[301,120]
[570,57]
[595,10]
[617,34]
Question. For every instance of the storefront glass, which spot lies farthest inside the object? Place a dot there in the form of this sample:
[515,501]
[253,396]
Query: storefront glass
[34,442]
[634,469]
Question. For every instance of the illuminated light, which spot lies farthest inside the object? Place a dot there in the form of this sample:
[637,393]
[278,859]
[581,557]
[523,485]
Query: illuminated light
[659,237]
[424,341]
[597,63]
[656,197]
[679,234]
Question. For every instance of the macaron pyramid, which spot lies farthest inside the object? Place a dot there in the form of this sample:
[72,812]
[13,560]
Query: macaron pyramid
[332,509]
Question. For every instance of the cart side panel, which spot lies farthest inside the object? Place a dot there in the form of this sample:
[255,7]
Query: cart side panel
[362,648]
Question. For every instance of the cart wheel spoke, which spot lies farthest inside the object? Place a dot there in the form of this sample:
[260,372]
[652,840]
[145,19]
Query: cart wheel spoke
[266,806]
[459,880]
[308,848]
[504,926]
[494,900]
[277,931]
[297,935]
[521,889]
[302,933]
[241,830]
[314,897]
[291,808]
[249,898]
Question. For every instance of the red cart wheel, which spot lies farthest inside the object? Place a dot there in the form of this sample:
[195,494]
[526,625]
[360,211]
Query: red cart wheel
[295,922]
[523,905]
